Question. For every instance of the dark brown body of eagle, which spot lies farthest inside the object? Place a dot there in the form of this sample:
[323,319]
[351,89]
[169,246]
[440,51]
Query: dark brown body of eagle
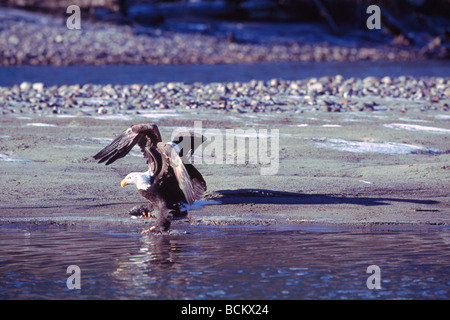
[171,179]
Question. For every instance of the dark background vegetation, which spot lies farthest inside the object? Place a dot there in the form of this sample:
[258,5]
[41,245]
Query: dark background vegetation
[411,12]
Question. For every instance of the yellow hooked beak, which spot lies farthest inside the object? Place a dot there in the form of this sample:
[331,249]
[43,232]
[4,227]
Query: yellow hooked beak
[123,183]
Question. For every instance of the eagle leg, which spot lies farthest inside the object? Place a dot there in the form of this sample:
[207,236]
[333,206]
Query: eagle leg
[163,222]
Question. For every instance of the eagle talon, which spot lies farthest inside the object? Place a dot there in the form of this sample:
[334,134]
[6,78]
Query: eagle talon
[147,215]
[152,229]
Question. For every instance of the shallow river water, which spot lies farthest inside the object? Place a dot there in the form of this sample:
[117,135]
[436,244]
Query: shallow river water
[225,262]
[150,74]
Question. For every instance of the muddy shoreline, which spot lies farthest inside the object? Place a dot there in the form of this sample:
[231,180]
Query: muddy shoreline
[365,168]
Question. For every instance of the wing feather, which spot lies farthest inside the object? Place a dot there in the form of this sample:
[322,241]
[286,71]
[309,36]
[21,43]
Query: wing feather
[180,171]
[198,183]
[141,134]
[187,143]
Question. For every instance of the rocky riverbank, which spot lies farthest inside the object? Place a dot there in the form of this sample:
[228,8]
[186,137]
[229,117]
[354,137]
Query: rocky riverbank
[37,39]
[330,94]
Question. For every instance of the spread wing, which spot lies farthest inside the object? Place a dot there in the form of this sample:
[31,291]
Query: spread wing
[187,143]
[142,134]
[198,183]
[189,179]
[174,161]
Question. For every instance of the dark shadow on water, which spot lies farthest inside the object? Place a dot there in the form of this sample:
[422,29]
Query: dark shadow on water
[264,196]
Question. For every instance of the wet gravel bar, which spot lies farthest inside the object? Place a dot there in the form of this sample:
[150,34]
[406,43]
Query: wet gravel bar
[328,94]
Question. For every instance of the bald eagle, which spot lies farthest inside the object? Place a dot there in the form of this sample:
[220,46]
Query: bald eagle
[170,180]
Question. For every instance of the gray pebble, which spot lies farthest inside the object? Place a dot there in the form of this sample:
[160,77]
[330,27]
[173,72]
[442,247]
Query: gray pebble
[325,94]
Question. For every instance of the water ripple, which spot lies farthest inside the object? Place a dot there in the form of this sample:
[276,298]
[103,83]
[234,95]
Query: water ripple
[204,262]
